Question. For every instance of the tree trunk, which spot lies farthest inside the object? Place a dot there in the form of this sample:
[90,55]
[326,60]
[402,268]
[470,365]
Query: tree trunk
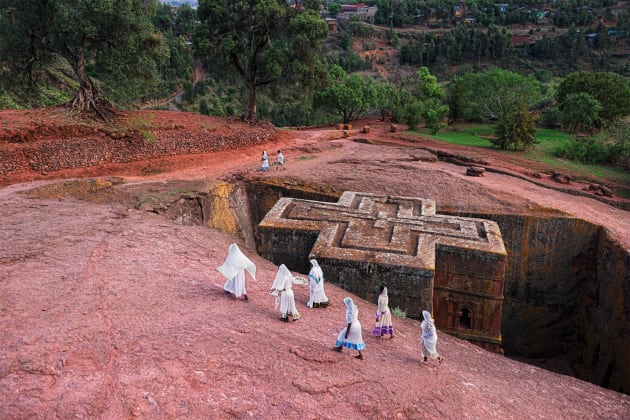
[86,101]
[250,113]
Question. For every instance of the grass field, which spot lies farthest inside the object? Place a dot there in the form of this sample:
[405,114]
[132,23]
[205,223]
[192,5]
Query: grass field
[476,135]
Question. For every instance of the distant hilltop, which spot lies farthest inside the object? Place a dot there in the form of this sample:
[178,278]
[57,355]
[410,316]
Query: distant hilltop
[191,3]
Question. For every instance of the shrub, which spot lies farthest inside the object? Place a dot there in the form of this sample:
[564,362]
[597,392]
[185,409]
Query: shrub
[619,150]
[585,150]
[189,94]
[399,313]
[7,102]
[413,114]
[516,129]
[551,117]
[619,153]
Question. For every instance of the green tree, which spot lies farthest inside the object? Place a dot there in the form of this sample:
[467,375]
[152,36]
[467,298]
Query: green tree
[255,38]
[611,90]
[186,20]
[334,8]
[516,129]
[434,111]
[424,101]
[114,37]
[348,95]
[580,111]
[489,95]
[163,18]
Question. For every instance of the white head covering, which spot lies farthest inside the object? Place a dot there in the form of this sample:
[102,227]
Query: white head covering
[351,309]
[429,335]
[349,303]
[316,271]
[427,317]
[235,262]
[283,280]
[384,292]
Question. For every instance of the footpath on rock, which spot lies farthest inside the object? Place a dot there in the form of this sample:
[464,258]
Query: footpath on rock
[109,311]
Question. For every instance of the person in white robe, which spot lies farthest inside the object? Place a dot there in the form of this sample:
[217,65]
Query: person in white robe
[234,268]
[383,323]
[351,336]
[282,289]
[429,339]
[265,162]
[318,298]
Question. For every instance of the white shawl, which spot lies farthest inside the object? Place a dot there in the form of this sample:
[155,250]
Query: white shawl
[316,272]
[429,334]
[283,281]
[234,269]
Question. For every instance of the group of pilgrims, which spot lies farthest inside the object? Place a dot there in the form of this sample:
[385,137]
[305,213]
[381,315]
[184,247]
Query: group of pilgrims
[350,337]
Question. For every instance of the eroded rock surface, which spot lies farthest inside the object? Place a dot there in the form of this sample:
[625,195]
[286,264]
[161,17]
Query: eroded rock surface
[111,312]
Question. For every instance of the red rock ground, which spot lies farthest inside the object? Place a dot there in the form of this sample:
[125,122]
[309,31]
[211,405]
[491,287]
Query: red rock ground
[112,312]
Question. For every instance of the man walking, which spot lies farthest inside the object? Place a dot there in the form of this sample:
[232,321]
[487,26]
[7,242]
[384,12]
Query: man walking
[280,161]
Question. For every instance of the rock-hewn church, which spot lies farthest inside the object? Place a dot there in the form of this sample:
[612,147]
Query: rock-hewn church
[452,266]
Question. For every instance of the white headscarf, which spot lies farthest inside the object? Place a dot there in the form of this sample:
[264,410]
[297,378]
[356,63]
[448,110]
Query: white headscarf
[283,280]
[384,292]
[316,271]
[429,335]
[351,309]
[235,262]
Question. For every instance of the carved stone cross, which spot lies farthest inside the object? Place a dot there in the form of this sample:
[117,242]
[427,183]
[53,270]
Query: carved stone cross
[451,265]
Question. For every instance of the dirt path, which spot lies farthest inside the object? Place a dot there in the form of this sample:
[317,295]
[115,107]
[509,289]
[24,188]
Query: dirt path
[389,166]
[379,161]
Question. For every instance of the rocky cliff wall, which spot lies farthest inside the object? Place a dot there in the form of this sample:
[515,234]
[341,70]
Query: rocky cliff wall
[567,291]
[605,356]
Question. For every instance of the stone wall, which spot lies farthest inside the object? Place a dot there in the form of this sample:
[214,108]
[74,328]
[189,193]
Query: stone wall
[410,289]
[91,150]
[290,247]
[468,295]
[567,292]
[605,356]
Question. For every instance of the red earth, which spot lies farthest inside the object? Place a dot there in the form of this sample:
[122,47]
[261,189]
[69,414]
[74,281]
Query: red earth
[513,178]
[110,311]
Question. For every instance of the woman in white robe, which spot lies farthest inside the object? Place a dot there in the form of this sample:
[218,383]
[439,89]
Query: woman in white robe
[383,316]
[318,298]
[234,269]
[282,288]
[429,339]
[351,336]
[265,162]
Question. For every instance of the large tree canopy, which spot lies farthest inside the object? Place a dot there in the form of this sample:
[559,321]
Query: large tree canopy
[611,90]
[112,36]
[348,94]
[489,95]
[423,101]
[263,40]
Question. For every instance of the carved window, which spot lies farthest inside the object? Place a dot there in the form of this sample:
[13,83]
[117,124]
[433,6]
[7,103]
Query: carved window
[465,320]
